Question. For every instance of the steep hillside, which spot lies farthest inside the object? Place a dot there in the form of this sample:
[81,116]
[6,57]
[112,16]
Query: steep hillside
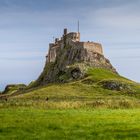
[71,64]
[100,88]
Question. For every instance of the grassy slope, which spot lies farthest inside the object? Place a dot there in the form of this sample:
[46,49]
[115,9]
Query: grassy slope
[71,112]
[87,92]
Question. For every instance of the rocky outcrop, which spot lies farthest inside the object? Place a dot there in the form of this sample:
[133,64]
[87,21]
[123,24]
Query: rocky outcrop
[115,85]
[71,63]
[13,88]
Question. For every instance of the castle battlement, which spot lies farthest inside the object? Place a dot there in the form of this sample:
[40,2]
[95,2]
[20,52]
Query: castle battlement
[71,39]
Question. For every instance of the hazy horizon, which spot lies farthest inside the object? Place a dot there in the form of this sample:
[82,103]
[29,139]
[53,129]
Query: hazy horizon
[27,27]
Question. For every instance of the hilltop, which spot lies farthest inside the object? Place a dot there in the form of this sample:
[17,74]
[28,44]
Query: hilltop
[69,59]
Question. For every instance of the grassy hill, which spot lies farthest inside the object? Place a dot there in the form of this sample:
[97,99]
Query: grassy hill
[103,105]
[100,88]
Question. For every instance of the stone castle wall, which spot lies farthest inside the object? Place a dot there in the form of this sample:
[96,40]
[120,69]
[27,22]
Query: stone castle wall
[53,50]
[95,47]
[72,39]
[89,46]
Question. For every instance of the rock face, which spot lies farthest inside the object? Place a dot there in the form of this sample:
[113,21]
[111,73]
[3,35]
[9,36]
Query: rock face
[115,85]
[71,63]
[13,88]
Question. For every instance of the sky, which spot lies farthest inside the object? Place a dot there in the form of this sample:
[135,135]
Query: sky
[28,26]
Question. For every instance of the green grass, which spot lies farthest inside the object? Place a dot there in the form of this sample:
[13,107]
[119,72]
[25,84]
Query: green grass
[79,110]
[100,74]
[69,124]
[85,93]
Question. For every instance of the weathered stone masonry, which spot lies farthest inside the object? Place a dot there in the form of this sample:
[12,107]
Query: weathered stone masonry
[72,39]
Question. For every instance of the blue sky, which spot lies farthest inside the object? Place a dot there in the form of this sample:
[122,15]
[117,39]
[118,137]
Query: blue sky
[27,27]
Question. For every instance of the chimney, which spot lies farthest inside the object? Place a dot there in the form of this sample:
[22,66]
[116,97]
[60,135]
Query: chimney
[65,31]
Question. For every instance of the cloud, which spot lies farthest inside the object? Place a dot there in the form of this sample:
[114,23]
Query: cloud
[27,27]
[122,17]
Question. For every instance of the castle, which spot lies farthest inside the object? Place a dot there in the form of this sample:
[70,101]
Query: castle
[69,59]
[71,39]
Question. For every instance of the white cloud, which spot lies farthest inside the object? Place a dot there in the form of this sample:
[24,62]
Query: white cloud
[124,17]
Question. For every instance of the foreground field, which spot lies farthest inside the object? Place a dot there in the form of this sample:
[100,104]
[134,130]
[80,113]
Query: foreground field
[102,106]
[72,124]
